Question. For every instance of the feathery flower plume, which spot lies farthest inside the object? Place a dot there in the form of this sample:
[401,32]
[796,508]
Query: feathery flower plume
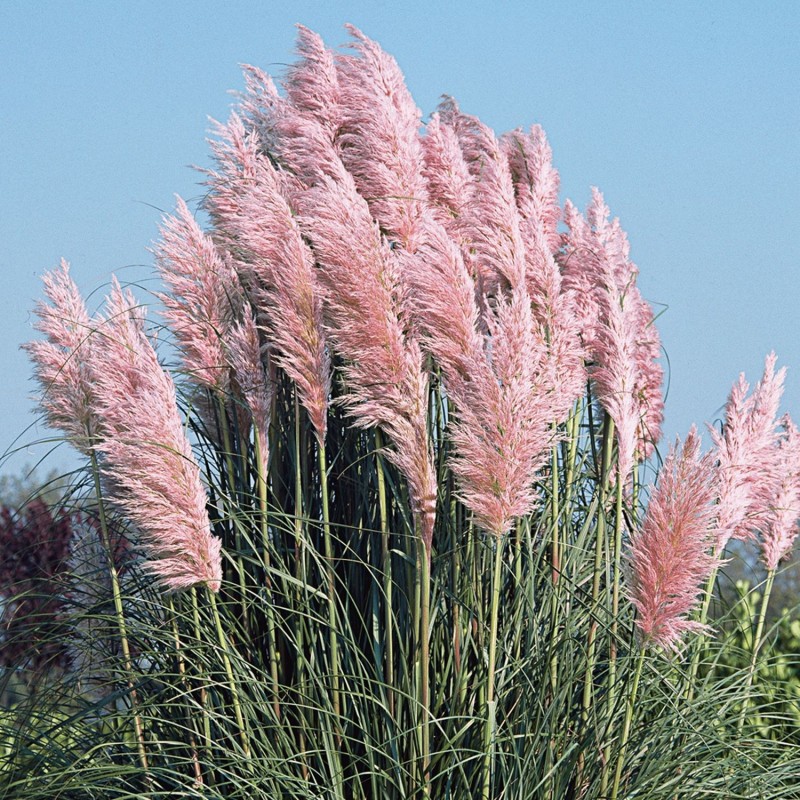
[245,357]
[378,139]
[536,187]
[616,326]
[450,184]
[491,221]
[202,299]
[581,262]
[363,299]
[312,84]
[536,181]
[649,373]
[60,361]
[501,429]
[614,374]
[670,556]
[501,435]
[745,450]
[276,264]
[258,104]
[780,526]
[145,453]
[366,322]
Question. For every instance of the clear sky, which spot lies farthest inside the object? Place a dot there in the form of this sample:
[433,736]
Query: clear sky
[685,114]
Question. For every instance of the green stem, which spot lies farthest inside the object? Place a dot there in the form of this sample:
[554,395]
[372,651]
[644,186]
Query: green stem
[203,691]
[699,648]
[573,436]
[388,620]
[120,617]
[491,710]
[226,659]
[757,644]
[198,774]
[424,687]
[228,447]
[555,547]
[626,728]
[331,576]
[556,557]
[612,655]
[600,546]
[300,575]
[271,628]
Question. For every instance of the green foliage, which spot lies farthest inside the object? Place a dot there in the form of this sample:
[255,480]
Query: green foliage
[776,708]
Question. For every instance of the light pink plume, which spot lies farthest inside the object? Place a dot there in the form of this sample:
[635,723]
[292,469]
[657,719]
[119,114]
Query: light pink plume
[501,429]
[366,322]
[260,103]
[145,454]
[363,300]
[536,180]
[60,361]
[203,298]
[450,185]
[615,374]
[617,328]
[670,557]
[251,212]
[503,435]
[779,529]
[378,139]
[582,264]
[745,450]
[490,223]
[312,84]
[536,186]
[245,357]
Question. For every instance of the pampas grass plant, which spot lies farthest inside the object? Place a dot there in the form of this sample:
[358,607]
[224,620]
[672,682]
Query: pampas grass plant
[384,530]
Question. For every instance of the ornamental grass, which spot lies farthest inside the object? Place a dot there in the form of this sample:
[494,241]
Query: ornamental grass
[375,511]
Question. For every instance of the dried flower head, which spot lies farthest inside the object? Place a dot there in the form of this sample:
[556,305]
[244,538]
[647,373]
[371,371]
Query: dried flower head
[145,453]
[66,394]
[671,556]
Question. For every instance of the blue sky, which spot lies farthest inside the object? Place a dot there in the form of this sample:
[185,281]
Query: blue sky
[686,116]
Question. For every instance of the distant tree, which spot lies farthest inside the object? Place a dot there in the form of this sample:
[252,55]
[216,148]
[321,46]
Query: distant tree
[20,489]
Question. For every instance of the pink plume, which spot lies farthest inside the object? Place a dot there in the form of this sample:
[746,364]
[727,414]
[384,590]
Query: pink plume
[745,452]
[260,103]
[366,323]
[616,326]
[670,556]
[245,357]
[779,529]
[450,185]
[145,454]
[378,140]
[536,186]
[203,297]
[363,300]
[251,211]
[491,221]
[536,180]
[60,361]
[614,374]
[503,411]
[312,84]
